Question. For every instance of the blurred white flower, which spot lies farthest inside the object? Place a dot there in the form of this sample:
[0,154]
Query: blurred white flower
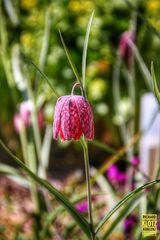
[102,109]
[124,111]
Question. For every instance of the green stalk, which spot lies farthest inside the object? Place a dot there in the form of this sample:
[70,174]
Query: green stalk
[5,57]
[32,167]
[23,141]
[87,171]
[36,131]
[30,161]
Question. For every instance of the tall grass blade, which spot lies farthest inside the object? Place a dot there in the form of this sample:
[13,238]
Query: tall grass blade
[58,195]
[74,69]
[84,56]
[124,200]
[154,81]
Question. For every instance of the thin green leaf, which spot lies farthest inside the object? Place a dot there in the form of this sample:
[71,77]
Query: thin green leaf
[103,146]
[4,168]
[125,211]
[74,69]
[123,201]
[58,195]
[84,56]
[44,76]
[154,81]
[142,65]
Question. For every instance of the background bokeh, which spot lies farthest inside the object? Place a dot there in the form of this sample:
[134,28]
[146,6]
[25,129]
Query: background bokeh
[29,32]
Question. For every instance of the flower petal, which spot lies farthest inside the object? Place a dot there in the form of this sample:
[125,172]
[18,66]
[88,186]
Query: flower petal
[74,120]
[86,117]
[70,122]
[57,115]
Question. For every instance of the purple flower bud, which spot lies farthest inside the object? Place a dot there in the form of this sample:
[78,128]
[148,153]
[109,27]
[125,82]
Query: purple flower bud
[122,177]
[82,207]
[135,161]
[116,176]
[112,173]
[124,47]
[73,117]
[129,223]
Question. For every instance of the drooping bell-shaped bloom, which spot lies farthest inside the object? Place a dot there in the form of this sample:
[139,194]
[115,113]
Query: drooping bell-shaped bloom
[73,117]
[125,50]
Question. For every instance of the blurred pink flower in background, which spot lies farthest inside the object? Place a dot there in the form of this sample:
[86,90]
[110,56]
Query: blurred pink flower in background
[25,112]
[122,177]
[112,173]
[125,50]
[135,161]
[17,121]
[24,116]
[82,207]
[73,117]
[129,224]
[115,175]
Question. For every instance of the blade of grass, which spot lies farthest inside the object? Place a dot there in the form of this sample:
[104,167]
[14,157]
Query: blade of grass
[45,40]
[154,81]
[142,65]
[102,146]
[123,201]
[85,49]
[125,212]
[4,168]
[58,195]
[74,69]
[44,76]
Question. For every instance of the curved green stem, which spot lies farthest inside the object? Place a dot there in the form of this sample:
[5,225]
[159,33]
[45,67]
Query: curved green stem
[87,171]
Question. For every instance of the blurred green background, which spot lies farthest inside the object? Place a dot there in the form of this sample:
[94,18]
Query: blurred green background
[29,33]
[23,25]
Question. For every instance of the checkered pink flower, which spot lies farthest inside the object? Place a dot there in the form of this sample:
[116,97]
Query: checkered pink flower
[73,117]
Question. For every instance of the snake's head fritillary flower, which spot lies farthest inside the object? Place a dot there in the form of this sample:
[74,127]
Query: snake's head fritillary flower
[125,50]
[73,117]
